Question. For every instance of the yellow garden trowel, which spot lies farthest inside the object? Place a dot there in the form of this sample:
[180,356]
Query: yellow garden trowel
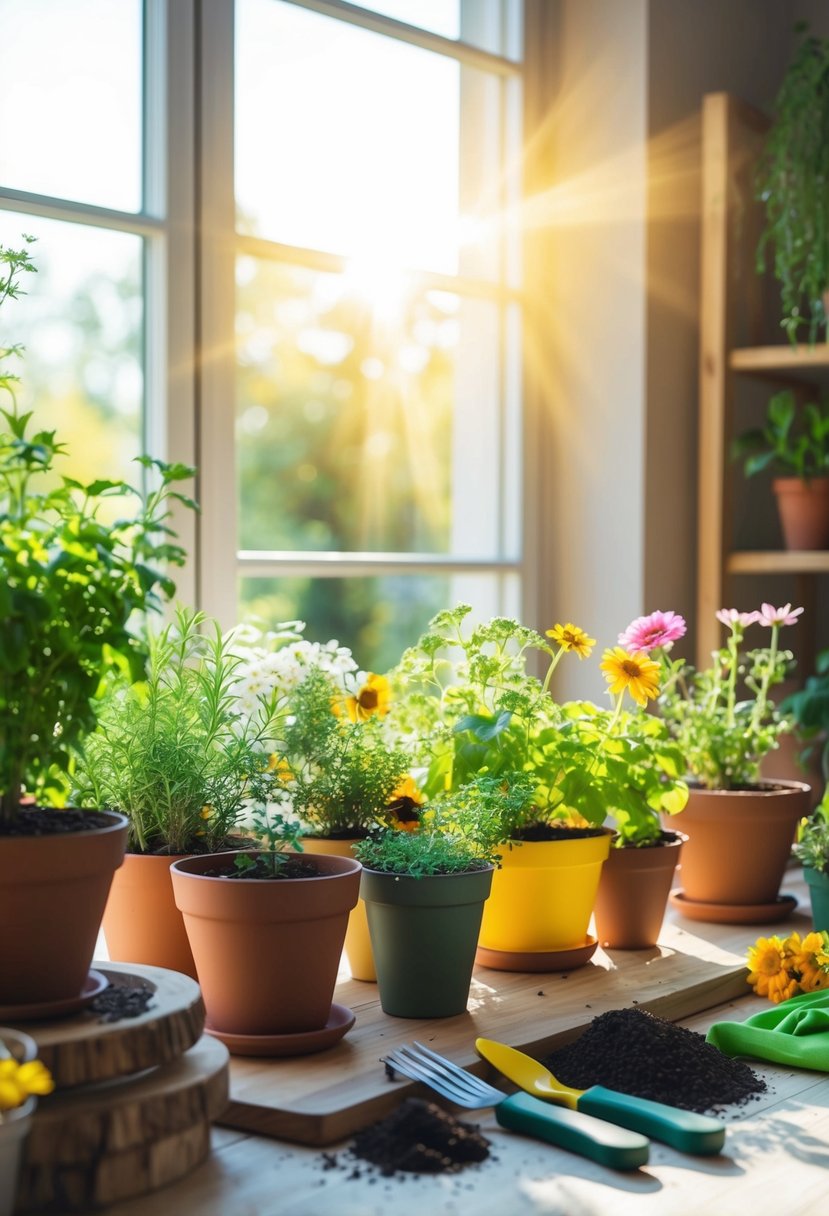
[701,1135]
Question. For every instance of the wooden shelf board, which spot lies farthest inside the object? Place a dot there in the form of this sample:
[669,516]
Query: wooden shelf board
[801,363]
[780,561]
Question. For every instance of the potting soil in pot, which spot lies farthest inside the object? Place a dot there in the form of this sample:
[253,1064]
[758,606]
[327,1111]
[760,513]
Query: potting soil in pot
[420,1138]
[638,1053]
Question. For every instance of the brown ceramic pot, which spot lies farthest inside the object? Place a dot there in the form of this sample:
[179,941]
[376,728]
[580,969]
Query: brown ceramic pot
[53,890]
[357,949]
[739,842]
[633,893]
[266,951]
[141,922]
[804,511]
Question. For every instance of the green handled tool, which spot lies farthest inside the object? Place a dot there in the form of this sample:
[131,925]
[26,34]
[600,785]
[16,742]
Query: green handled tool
[701,1135]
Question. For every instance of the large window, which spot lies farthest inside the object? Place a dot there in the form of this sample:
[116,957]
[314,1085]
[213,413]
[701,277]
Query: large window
[278,238]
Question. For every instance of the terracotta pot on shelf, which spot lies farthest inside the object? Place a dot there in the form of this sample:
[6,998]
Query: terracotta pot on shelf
[357,947]
[53,891]
[633,892]
[141,921]
[804,511]
[739,842]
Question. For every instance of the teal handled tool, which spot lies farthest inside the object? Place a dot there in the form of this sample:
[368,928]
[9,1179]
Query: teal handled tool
[682,1129]
[579,1133]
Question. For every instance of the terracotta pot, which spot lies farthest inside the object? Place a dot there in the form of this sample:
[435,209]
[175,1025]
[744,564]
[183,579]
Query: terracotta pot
[141,921]
[543,894]
[267,951]
[357,949]
[818,884]
[633,893]
[53,891]
[424,932]
[739,842]
[804,511]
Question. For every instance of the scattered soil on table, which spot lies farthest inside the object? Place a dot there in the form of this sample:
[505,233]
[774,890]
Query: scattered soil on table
[419,1138]
[122,1001]
[638,1053]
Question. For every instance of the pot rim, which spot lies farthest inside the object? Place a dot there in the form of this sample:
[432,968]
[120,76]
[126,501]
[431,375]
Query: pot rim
[678,839]
[119,822]
[768,787]
[421,877]
[350,866]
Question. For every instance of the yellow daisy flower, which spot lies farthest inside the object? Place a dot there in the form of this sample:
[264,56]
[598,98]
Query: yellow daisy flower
[373,698]
[767,967]
[404,806]
[634,672]
[570,637]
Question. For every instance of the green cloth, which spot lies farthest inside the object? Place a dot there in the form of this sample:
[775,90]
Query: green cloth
[795,1032]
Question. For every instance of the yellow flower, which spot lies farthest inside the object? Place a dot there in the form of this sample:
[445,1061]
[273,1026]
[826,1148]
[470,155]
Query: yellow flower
[634,672]
[373,698]
[806,960]
[404,806]
[570,637]
[767,970]
[280,766]
[206,812]
[18,1081]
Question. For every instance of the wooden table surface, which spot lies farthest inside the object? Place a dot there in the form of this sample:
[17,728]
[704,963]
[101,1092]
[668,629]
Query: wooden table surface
[776,1159]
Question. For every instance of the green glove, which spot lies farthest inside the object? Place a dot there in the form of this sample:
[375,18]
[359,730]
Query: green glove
[795,1032]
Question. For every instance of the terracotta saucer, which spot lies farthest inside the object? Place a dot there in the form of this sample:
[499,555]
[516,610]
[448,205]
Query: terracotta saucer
[545,960]
[94,984]
[733,914]
[304,1043]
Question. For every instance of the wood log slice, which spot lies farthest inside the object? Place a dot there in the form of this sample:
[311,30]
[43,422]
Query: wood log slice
[97,1146]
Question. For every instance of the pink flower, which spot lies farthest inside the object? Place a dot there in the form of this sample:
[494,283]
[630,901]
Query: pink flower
[732,616]
[786,615]
[648,632]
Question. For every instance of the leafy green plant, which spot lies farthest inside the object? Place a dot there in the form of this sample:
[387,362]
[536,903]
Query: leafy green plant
[175,752]
[277,835]
[338,774]
[812,847]
[70,588]
[798,451]
[809,707]
[792,181]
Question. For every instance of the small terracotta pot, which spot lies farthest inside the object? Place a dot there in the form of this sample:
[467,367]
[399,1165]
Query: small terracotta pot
[739,842]
[357,949]
[141,921]
[267,951]
[53,891]
[804,511]
[633,893]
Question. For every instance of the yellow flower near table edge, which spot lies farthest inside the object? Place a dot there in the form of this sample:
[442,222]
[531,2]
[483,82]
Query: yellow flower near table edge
[782,968]
[20,1081]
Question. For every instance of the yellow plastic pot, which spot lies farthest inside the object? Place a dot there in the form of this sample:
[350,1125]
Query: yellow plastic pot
[543,895]
[357,948]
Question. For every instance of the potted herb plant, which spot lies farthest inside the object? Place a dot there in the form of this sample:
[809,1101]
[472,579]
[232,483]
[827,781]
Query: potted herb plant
[468,696]
[266,927]
[340,771]
[71,584]
[23,1079]
[740,829]
[809,709]
[812,850]
[791,180]
[182,757]
[424,892]
[800,453]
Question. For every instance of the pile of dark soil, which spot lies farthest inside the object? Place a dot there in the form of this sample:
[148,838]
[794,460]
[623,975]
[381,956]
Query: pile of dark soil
[637,1053]
[420,1138]
[122,1001]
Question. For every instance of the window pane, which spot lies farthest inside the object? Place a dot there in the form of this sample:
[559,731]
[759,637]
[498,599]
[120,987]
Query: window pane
[377,618]
[81,324]
[352,143]
[492,25]
[367,416]
[70,100]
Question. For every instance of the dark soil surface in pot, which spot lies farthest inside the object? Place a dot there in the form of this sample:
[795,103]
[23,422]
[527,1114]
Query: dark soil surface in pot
[286,867]
[48,821]
[419,1138]
[122,1001]
[637,1053]
[550,831]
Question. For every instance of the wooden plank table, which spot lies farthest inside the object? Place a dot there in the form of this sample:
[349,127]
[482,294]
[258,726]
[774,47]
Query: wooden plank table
[776,1161]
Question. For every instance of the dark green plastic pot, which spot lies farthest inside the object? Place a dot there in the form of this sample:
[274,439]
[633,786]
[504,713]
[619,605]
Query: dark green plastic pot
[424,932]
[819,893]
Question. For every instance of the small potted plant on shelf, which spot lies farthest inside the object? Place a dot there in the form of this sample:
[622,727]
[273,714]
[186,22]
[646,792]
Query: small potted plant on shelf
[71,585]
[467,696]
[181,756]
[266,927]
[740,829]
[812,850]
[791,182]
[23,1079]
[800,454]
[425,891]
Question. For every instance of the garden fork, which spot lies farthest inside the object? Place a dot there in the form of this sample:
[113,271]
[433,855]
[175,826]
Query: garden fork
[583,1134]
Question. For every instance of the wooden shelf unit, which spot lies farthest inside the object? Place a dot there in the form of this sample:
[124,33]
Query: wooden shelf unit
[734,347]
